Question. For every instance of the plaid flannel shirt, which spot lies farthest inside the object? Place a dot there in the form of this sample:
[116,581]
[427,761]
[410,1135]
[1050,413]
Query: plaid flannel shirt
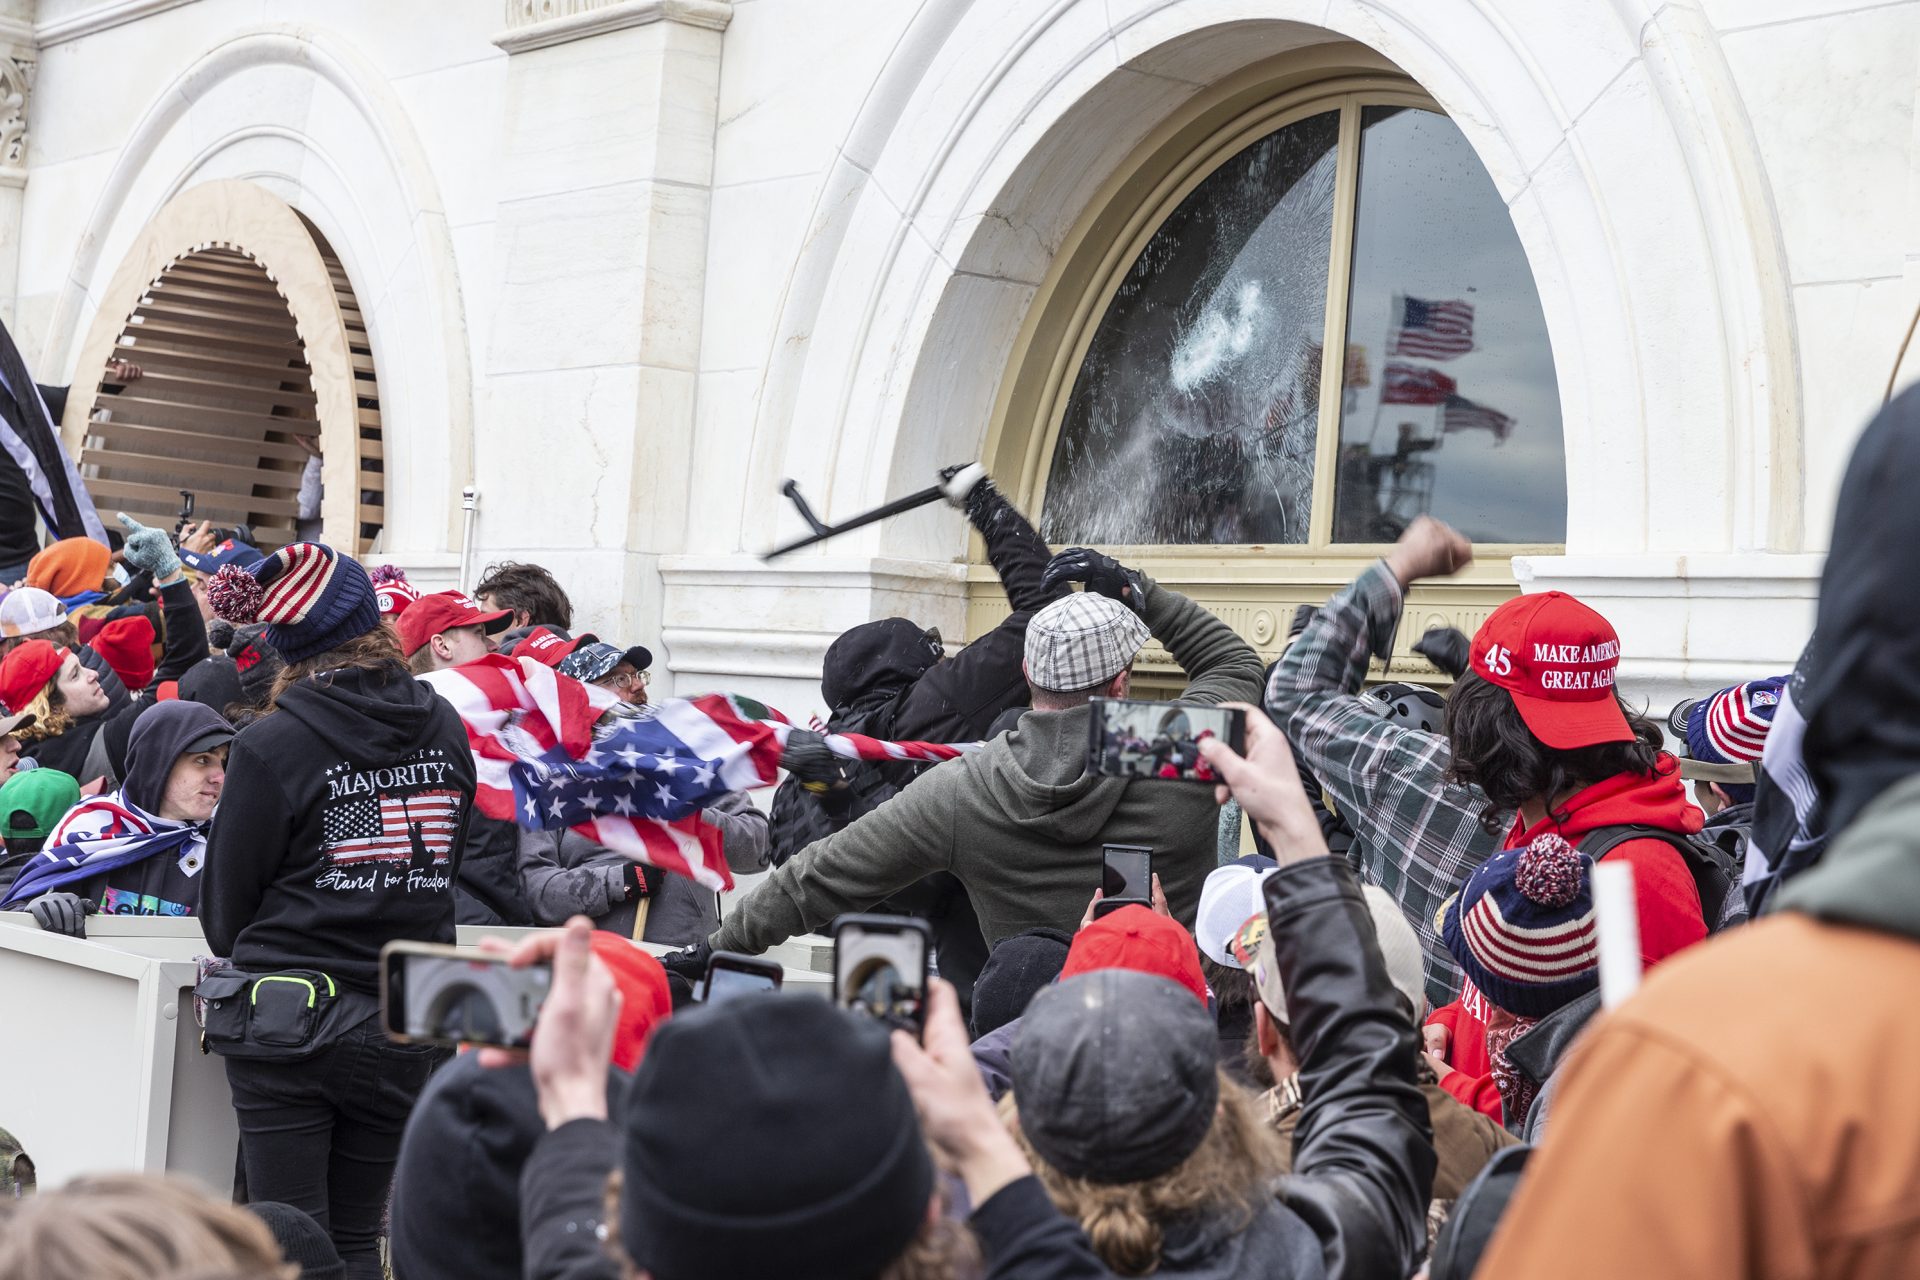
[1416,835]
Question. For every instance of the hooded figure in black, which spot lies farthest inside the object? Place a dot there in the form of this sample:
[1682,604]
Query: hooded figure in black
[892,680]
[1859,683]
[166,834]
[346,808]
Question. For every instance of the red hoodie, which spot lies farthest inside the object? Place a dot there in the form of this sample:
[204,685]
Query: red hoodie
[1663,888]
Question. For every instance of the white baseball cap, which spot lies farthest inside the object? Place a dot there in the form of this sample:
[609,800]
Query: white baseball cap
[1399,946]
[27,611]
[1228,897]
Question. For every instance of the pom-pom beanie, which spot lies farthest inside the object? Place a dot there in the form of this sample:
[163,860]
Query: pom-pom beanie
[1523,928]
[311,597]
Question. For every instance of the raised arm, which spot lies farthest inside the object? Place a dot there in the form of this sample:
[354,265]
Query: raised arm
[884,851]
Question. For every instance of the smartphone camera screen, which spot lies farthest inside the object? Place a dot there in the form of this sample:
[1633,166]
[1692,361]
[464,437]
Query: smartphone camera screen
[882,974]
[457,1000]
[1159,740]
[1126,872]
[725,984]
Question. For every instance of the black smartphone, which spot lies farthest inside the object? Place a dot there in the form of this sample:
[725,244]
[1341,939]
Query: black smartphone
[880,968]
[433,994]
[731,974]
[1161,740]
[1126,877]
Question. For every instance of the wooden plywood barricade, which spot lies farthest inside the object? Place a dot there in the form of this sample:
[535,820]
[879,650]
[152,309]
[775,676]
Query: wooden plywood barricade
[249,339]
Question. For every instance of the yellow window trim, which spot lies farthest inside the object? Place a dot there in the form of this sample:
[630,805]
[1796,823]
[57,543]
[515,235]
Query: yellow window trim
[1254,587]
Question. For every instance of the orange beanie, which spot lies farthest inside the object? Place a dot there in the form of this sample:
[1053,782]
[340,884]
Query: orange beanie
[69,567]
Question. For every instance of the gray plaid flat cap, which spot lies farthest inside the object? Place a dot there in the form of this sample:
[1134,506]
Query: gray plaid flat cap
[1082,640]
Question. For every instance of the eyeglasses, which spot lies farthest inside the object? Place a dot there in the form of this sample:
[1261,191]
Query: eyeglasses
[627,679]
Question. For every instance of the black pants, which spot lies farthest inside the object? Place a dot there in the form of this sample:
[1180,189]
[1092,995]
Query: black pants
[322,1134]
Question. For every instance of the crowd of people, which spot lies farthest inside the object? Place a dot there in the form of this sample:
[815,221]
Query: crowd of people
[1373,1046]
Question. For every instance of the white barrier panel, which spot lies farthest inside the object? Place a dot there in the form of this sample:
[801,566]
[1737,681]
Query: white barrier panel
[102,1068]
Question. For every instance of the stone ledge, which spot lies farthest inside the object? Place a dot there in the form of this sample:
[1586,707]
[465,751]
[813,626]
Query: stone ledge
[102,18]
[713,15]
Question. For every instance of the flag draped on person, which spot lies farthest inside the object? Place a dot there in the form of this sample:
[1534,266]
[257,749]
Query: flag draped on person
[32,439]
[637,782]
[103,834]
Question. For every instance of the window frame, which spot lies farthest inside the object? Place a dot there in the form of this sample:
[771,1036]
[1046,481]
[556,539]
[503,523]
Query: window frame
[1349,94]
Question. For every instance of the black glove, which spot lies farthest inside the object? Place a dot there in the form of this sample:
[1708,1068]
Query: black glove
[689,962]
[63,913]
[633,878]
[1102,573]
[1447,648]
[808,758]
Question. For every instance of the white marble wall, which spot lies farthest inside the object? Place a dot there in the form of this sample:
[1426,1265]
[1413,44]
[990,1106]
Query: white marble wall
[627,283]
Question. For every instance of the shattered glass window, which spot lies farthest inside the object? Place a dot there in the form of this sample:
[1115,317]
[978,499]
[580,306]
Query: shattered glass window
[1456,411]
[1194,415]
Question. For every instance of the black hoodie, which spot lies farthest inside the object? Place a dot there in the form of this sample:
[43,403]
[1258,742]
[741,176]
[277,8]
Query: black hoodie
[340,827]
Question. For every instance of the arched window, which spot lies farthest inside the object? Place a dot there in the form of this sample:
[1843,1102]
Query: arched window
[1329,330]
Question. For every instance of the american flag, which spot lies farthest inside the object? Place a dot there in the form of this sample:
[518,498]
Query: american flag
[1415,384]
[1462,414]
[417,828]
[638,786]
[1432,330]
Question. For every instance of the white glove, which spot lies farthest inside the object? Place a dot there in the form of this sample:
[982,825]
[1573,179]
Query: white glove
[957,482]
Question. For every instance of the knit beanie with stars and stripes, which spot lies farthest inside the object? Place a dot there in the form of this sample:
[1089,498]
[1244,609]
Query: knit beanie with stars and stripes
[311,597]
[1523,929]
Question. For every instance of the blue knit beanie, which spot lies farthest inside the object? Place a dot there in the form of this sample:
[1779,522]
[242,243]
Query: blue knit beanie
[1523,928]
[311,597]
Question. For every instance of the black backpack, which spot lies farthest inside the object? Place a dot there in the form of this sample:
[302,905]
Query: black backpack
[1718,881]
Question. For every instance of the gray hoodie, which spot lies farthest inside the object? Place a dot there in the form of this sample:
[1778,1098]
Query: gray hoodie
[1020,821]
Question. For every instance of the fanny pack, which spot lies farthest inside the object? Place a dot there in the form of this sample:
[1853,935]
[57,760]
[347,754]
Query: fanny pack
[285,1016]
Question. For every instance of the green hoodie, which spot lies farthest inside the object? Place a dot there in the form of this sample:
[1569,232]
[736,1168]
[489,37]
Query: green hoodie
[1020,821]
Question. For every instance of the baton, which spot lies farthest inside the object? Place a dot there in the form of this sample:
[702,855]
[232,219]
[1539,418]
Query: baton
[822,531]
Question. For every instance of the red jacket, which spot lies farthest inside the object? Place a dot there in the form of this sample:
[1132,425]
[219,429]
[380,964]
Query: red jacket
[1663,888]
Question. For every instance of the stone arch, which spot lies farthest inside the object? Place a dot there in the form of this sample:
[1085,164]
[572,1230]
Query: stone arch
[251,335]
[992,136]
[299,113]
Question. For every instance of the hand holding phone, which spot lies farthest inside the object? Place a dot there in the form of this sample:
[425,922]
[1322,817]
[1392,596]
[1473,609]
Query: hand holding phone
[1159,740]
[433,994]
[880,969]
[731,974]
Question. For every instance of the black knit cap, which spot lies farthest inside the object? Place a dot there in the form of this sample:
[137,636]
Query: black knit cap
[1017,969]
[302,1241]
[771,1137]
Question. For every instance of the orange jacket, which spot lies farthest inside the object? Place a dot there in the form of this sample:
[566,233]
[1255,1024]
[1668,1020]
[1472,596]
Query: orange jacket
[1751,1113]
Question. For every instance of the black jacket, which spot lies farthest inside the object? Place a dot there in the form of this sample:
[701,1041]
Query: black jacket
[1363,1157]
[563,1203]
[886,679]
[487,888]
[340,827]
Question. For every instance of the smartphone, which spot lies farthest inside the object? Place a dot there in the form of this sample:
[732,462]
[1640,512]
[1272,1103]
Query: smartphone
[433,994]
[731,974]
[1126,877]
[880,968]
[1160,740]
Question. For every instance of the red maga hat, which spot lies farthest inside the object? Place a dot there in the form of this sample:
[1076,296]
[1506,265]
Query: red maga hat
[1556,657]
[548,645]
[442,611]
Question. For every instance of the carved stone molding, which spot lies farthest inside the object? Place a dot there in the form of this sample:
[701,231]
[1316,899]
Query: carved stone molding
[537,24]
[16,86]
